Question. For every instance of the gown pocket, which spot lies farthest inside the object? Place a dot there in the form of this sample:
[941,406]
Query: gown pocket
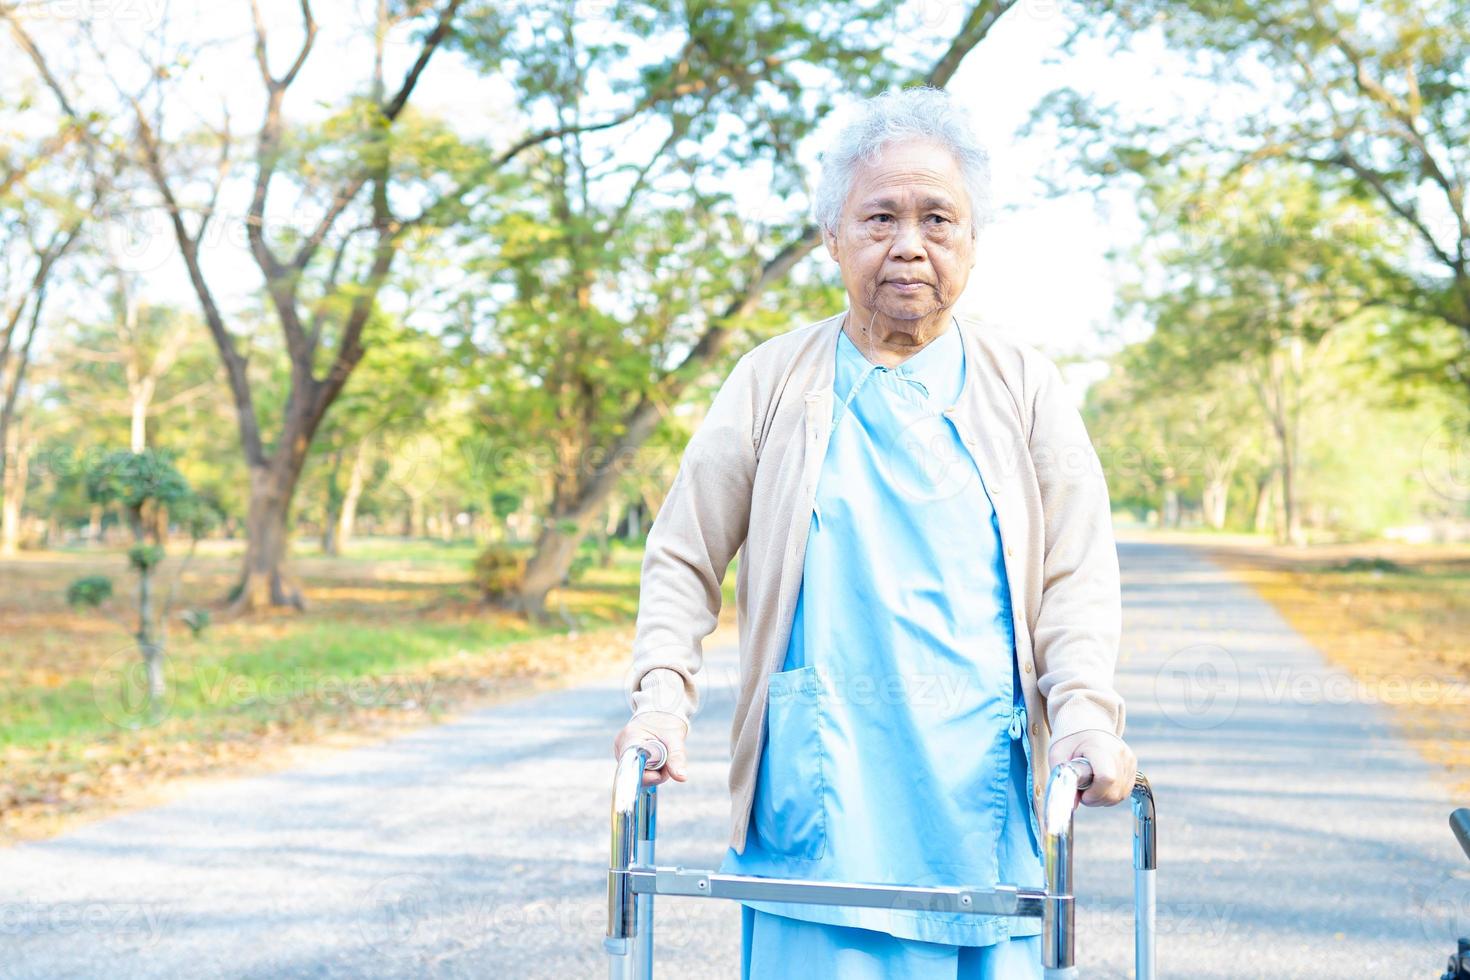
[790,809]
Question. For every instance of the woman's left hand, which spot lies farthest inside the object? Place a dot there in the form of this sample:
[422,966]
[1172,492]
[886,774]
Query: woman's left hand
[1113,764]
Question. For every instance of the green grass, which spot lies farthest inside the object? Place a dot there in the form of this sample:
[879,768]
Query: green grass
[394,636]
[385,610]
[315,666]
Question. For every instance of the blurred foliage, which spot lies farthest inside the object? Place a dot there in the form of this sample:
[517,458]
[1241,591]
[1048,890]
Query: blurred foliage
[573,283]
[135,480]
[89,591]
[197,620]
[497,571]
[1373,99]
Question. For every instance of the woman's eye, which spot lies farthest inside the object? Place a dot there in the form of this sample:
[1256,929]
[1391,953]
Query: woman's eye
[882,217]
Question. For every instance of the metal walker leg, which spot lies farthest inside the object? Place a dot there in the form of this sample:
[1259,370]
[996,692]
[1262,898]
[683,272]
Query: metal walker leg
[1058,922]
[1145,866]
[1058,936]
[629,940]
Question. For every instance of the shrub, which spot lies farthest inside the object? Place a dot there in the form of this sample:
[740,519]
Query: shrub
[196,619]
[91,591]
[498,571]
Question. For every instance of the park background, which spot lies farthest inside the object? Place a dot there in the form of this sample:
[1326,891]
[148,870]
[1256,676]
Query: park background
[347,349]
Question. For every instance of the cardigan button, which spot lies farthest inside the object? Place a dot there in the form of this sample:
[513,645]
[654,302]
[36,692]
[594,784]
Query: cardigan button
[1035,728]
[1026,668]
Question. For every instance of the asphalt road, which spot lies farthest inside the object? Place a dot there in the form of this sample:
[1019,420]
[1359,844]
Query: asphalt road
[1299,837]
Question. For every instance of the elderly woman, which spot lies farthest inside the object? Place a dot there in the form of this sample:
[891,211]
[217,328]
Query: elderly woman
[928,595]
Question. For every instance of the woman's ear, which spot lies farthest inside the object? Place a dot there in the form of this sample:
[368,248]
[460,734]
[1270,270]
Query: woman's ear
[830,240]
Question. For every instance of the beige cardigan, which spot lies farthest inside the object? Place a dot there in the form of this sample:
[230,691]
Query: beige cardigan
[748,479]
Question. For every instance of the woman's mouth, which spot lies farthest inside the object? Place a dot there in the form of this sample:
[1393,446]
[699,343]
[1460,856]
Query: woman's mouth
[907,287]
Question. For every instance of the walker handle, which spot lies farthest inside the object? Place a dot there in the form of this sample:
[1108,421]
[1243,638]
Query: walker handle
[658,752]
[1083,768]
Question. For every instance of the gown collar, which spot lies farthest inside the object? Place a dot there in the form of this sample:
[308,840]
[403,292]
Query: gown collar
[938,367]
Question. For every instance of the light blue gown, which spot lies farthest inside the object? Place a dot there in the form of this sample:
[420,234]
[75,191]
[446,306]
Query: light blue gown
[895,748]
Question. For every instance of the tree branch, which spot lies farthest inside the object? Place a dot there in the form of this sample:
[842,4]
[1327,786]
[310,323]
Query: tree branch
[280,283]
[643,418]
[235,365]
[431,43]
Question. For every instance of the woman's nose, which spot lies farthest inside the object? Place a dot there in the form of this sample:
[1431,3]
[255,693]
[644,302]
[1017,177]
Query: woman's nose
[908,242]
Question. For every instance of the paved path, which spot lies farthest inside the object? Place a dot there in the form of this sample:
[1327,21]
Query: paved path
[1299,836]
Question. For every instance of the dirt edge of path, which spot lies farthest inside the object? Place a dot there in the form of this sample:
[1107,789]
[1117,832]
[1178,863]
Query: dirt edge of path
[588,656]
[1421,677]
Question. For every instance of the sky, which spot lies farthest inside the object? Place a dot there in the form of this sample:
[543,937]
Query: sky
[1041,275]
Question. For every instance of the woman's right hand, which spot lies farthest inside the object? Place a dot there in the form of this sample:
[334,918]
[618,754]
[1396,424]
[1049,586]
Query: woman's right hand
[666,727]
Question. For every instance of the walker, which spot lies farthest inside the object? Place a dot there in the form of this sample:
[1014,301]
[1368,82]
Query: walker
[633,879]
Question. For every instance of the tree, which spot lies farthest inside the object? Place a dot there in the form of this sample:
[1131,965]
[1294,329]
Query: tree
[147,488]
[1261,277]
[383,411]
[620,285]
[1161,440]
[42,209]
[138,362]
[1373,97]
[324,286]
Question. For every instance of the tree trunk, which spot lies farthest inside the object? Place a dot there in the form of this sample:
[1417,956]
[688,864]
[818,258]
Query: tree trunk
[1278,508]
[556,546]
[333,507]
[347,519]
[1291,473]
[605,529]
[148,642]
[1290,527]
[1216,497]
[417,518]
[142,396]
[14,491]
[1261,518]
[329,537]
[263,582]
[1291,507]
[1169,515]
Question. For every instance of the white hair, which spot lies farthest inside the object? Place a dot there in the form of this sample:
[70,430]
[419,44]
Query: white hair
[924,113]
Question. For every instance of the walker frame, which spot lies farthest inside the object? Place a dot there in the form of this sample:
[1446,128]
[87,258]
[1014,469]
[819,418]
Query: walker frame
[633,879]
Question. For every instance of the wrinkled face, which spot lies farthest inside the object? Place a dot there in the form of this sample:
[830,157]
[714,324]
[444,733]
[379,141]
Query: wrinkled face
[903,241]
